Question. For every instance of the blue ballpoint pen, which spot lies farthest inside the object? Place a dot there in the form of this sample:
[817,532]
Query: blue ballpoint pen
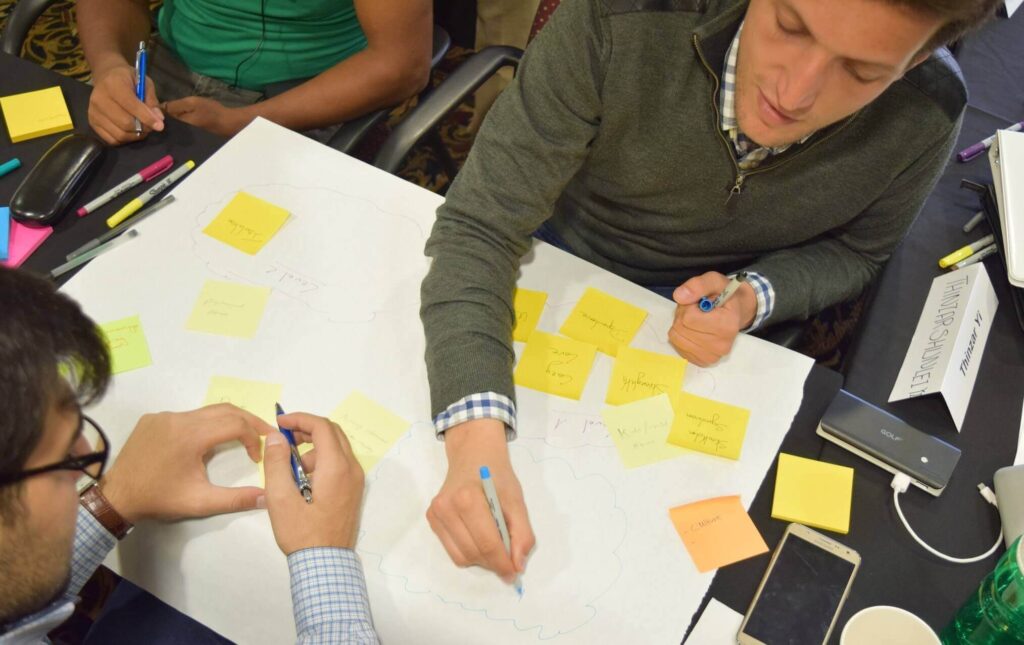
[140,80]
[297,471]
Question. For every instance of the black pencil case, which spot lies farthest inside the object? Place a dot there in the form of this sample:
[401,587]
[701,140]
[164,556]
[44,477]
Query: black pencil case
[48,190]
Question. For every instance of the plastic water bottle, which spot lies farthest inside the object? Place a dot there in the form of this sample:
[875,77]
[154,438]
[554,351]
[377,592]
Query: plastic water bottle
[994,614]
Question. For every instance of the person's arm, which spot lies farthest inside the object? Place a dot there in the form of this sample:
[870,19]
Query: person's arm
[394,66]
[92,544]
[534,140]
[328,590]
[110,32]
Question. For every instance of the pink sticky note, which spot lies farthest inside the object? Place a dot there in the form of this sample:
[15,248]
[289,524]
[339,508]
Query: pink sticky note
[24,241]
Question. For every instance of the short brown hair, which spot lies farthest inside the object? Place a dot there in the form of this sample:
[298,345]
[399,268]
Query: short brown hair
[959,16]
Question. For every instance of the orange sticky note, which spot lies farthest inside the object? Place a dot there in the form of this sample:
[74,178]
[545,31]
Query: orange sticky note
[717,532]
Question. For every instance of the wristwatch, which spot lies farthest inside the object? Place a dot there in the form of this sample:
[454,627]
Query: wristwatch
[93,500]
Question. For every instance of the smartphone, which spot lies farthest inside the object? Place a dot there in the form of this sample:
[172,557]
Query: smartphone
[802,592]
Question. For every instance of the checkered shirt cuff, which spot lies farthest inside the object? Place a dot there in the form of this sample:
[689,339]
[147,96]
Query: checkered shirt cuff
[92,544]
[485,405]
[329,597]
[765,299]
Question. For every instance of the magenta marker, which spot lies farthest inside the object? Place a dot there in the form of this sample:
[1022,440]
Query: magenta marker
[970,153]
[148,173]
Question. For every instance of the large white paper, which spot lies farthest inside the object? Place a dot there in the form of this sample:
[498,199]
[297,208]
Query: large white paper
[345,272]
[945,353]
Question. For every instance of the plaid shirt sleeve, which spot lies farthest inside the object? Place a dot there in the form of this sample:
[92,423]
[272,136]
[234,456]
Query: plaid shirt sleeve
[765,299]
[329,597]
[92,544]
[485,405]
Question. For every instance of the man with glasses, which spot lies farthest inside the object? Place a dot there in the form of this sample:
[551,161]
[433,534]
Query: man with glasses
[53,360]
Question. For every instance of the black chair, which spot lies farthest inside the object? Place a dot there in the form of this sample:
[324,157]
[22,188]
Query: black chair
[26,12]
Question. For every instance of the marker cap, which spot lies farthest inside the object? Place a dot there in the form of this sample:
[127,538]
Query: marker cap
[485,472]
[706,304]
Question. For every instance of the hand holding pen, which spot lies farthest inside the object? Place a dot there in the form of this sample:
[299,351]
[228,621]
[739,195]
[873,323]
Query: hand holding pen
[114,104]
[711,310]
[335,479]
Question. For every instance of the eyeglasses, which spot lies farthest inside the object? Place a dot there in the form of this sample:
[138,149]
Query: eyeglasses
[88,454]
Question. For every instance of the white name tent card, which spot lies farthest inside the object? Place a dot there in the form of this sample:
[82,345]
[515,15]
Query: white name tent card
[948,344]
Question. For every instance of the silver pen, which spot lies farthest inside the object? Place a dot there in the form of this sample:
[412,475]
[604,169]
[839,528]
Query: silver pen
[707,304]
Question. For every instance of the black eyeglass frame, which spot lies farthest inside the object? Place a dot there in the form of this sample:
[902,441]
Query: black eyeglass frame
[81,462]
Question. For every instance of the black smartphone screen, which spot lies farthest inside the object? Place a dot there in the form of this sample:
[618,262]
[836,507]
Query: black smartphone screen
[801,596]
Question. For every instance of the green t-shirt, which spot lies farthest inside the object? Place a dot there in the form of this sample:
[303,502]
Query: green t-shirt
[302,37]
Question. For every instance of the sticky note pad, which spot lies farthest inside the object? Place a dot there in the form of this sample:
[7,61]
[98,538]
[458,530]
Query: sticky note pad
[708,426]
[639,430]
[23,241]
[639,374]
[127,343]
[370,427]
[528,306]
[813,492]
[717,532]
[228,309]
[253,396]
[247,223]
[555,365]
[35,114]
[603,320]
[5,231]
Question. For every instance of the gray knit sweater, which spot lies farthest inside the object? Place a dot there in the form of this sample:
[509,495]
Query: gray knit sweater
[610,133]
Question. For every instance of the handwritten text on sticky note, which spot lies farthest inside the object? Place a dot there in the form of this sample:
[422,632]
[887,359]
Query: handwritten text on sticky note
[127,343]
[247,223]
[603,320]
[639,374]
[228,309]
[555,365]
[528,306]
[708,426]
[639,430]
[717,532]
[370,427]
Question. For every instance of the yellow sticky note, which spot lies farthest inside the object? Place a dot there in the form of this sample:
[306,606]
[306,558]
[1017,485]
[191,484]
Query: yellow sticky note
[603,320]
[639,374]
[639,430]
[247,223]
[127,343]
[370,427]
[717,532]
[528,306]
[35,114]
[253,396]
[555,365]
[228,309]
[708,426]
[815,493]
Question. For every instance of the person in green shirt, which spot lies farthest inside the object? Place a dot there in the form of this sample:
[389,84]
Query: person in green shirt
[218,64]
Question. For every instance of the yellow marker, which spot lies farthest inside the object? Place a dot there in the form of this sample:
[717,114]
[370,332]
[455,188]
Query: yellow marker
[133,206]
[966,252]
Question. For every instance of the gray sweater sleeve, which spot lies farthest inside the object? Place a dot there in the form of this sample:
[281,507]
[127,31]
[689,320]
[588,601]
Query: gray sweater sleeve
[507,188]
[840,264]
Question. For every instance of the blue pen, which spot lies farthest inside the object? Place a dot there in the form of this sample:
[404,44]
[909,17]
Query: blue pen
[9,166]
[140,80]
[707,304]
[297,471]
[499,518]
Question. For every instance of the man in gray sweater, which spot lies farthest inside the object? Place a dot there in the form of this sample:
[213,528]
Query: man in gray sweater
[673,142]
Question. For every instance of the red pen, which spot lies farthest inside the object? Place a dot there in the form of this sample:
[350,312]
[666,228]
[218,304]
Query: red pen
[148,173]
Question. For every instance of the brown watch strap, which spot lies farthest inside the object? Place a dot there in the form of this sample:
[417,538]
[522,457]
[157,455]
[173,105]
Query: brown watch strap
[94,502]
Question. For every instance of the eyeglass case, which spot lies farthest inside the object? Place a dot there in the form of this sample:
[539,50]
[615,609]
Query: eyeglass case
[60,174]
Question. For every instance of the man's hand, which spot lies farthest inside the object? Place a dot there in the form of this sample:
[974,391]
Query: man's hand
[210,115]
[113,106]
[161,471]
[704,338]
[460,516]
[332,519]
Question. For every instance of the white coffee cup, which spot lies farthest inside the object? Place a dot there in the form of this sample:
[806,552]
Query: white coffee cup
[884,625]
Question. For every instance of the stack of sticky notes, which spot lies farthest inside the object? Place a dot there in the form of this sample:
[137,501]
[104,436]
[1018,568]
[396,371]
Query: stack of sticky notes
[35,114]
[814,493]
[5,231]
[22,240]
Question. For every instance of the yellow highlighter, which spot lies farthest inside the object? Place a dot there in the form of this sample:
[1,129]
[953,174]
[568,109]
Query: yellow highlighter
[133,206]
[966,252]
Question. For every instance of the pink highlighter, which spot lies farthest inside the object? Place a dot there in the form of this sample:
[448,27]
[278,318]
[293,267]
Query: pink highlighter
[148,173]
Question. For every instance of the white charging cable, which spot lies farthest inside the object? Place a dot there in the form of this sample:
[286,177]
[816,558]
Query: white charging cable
[901,482]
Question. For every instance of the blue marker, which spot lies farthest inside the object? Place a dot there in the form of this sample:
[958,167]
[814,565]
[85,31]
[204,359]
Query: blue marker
[140,80]
[707,304]
[499,518]
[9,166]
[297,471]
